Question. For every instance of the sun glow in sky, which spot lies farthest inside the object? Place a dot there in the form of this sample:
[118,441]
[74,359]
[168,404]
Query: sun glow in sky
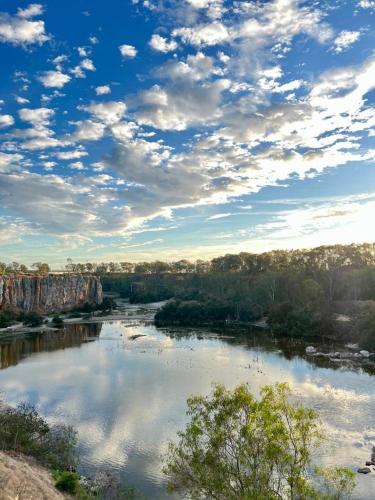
[144,129]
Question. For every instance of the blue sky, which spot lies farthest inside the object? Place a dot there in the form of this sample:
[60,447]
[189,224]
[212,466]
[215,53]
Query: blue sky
[167,129]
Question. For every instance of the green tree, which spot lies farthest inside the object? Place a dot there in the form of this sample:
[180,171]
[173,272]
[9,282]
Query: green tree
[237,447]
[41,267]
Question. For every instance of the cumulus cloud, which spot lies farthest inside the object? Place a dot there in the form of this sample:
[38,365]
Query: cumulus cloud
[36,116]
[6,121]
[181,106]
[71,155]
[107,112]
[33,10]
[53,79]
[127,51]
[9,161]
[21,100]
[161,44]
[103,90]
[20,29]
[248,121]
[345,40]
[85,65]
[203,35]
[367,4]
[88,130]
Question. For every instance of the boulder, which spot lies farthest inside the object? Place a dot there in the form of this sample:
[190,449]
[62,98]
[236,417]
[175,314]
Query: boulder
[364,470]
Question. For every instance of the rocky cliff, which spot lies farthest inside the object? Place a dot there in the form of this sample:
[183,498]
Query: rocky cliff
[49,293]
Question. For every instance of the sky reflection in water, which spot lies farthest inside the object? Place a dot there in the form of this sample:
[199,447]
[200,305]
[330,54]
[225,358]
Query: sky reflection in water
[128,398]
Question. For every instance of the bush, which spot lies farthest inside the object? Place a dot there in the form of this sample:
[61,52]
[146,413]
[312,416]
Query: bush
[365,323]
[238,447]
[4,322]
[67,481]
[32,319]
[23,430]
[108,304]
[58,322]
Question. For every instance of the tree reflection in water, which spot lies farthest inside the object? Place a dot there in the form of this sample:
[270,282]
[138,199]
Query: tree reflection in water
[13,350]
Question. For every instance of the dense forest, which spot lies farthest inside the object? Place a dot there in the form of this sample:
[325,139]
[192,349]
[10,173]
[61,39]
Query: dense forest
[298,292]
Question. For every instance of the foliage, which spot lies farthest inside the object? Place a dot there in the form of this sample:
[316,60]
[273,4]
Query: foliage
[237,447]
[23,430]
[41,267]
[4,321]
[108,304]
[32,318]
[366,325]
[335,482]
[57,321]
[67,481]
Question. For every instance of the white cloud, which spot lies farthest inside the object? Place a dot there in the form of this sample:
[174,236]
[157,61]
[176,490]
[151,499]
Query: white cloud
[367,4]
[57,61]
[204,35]
[36,116]
[196,67]
[219,216]
[9,161]
[21,100]
[103,90]
[107,112]
[161,44]
[33,10]
[71,155]
[53,79]
[48,165]
[128,51]
[181,106]
[82,51]
[20,30]
[85,65]
[88,130]
[345,40]
[77,165]
[6,121]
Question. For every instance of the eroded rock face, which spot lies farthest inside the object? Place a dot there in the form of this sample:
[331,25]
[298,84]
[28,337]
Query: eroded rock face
[49,293]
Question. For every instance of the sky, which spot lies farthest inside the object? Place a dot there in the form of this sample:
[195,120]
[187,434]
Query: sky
[165,129]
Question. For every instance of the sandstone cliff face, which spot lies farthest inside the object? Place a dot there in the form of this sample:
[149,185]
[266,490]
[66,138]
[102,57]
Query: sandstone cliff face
[49,293]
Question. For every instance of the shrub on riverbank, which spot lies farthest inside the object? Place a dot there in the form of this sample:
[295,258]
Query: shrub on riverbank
[24,433]
[238,447]
[23,430]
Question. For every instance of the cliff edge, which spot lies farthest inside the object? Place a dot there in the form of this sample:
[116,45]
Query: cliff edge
[51,293]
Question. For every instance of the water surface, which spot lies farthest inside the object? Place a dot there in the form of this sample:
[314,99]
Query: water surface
[127,398]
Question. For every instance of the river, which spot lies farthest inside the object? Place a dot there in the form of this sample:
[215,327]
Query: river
[127,398]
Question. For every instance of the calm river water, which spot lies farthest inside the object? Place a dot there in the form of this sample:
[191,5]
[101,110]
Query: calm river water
[127,398]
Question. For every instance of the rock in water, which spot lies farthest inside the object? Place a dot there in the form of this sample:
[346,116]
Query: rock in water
[364,470]
[51,293]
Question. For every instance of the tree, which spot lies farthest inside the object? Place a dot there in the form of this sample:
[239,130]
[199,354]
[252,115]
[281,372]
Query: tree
[239,448]
[41,267]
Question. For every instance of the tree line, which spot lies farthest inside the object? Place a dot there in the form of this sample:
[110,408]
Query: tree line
[320,258]
[17,268]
